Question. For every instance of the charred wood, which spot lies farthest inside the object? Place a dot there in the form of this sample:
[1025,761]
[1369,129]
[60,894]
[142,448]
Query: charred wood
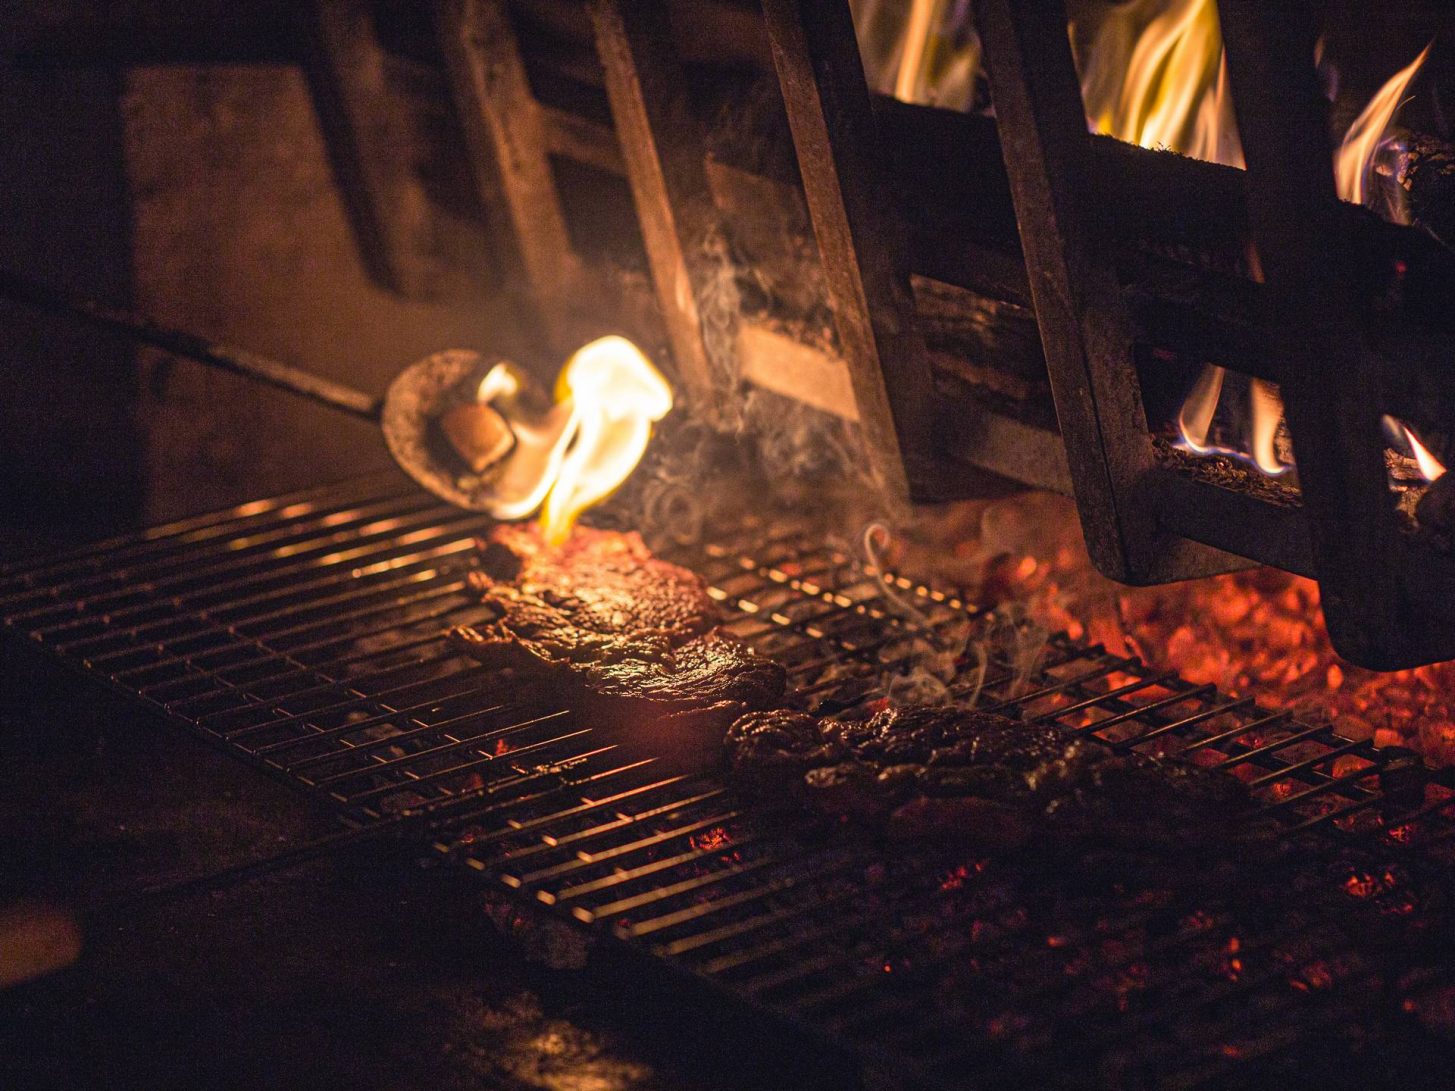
[1428,176]
[1436,511]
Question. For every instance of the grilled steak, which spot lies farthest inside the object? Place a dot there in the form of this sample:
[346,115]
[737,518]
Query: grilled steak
[960,775]
[1146,803]
[579,601]
[633,636]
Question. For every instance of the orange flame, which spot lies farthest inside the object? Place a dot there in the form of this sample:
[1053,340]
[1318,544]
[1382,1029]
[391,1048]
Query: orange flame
[1356,160]
[1430,466]
[1356,166]
[608,396]
[1153,73]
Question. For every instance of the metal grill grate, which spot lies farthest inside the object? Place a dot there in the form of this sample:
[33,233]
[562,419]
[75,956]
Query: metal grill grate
[305,634]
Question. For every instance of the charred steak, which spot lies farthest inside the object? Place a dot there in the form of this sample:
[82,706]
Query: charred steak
[579,601]
[633,636]
[979,778]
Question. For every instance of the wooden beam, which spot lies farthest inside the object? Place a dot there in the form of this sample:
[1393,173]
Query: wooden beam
[1085,332]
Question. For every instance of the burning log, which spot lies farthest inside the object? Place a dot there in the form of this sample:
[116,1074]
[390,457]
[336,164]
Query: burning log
[1436,510]
[1428,176]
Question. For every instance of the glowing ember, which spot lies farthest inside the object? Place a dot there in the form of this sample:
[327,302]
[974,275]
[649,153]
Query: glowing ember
[608,396]
[1256,633]
[713,839]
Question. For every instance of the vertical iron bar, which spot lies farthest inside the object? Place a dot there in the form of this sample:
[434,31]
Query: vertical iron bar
[860,241]
[360,121]
[1084,328]
[663,148]
[505,138]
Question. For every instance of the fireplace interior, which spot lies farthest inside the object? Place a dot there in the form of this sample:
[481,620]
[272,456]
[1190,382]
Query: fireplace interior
[1076,363]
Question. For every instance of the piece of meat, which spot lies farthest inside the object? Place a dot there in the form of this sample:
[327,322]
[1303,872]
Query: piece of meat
[630,637]
[972,752]
[1147,803]
[932,750]
[602,583]
[979,779]
[775,748]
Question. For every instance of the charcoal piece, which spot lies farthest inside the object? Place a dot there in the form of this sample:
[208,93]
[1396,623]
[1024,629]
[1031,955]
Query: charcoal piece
[1436,510]
[1428,174]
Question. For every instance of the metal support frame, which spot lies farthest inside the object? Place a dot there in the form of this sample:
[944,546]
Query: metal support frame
[1332,380]
[664,153]
[860,240]
[1085,332]
[1302,326]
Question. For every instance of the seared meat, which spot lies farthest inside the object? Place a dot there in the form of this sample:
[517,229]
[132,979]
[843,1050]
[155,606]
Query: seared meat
[634,640]
[973,777]
[632,636]
[599,585]
[1142,802]
[971,752]
[776,748]
[934,750]
[707,669]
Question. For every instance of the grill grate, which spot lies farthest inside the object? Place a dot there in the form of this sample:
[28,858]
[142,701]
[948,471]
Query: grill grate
[305,634]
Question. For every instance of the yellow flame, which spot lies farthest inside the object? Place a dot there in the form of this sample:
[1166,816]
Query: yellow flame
[1267,412]
[1195,419]
[1354,161]
[616,396]
[1153,73]
[916,41]
[579,451]
[922,51]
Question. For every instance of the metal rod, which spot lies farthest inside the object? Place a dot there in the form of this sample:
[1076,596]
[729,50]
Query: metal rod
[181,343]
